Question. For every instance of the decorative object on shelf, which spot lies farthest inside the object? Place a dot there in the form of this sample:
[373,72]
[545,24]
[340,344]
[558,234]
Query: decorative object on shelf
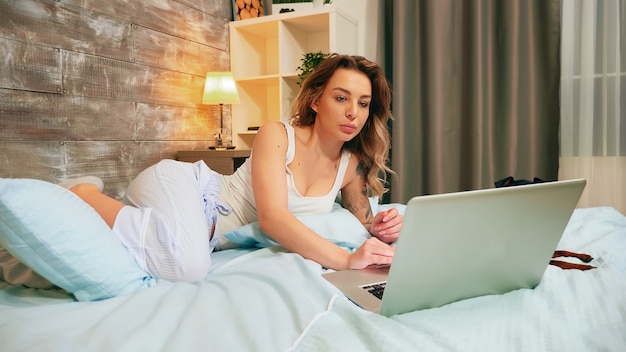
[220,88]
[244,9]
[309,63]
[284,6]
[327,2]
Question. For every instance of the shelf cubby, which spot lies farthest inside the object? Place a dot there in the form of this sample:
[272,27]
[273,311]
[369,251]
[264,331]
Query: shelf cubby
[264,55]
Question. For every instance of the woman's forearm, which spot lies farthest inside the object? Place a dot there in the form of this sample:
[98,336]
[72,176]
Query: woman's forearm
[292,234]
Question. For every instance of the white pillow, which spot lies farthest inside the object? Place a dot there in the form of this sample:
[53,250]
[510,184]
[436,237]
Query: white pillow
[339,226]
[63,239]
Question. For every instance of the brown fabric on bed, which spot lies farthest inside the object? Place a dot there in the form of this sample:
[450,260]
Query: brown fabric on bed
[567,265]
[15,272]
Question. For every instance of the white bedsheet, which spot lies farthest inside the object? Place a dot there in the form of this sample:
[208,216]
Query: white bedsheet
[269,300]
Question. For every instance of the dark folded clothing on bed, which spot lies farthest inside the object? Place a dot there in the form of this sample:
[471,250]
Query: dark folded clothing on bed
[510,181]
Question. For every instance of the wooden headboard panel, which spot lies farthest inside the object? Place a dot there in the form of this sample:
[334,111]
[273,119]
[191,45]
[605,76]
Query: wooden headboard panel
[106,87]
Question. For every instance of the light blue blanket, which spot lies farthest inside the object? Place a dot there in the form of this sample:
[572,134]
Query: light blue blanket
[271,300]
[254,300]
[569,311]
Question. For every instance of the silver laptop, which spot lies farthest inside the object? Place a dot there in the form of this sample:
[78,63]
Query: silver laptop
[467,244]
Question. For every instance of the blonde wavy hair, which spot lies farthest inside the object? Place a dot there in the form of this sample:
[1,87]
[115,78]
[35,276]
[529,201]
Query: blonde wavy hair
[371,145]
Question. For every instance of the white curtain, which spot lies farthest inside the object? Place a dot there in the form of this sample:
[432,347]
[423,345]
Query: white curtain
[593,99]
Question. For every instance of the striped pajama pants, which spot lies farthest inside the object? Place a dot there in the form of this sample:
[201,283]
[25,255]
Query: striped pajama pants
[166,226]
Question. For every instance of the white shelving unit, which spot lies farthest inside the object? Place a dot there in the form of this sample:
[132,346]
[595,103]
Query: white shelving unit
[264,55]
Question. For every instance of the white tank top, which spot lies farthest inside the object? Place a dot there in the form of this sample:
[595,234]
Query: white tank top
[237,191]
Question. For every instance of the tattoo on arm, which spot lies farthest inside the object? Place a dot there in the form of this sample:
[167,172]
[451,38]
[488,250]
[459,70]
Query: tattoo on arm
[360,171]
[359,201]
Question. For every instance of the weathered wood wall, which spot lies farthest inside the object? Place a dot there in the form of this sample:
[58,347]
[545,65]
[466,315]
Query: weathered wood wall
[106,87]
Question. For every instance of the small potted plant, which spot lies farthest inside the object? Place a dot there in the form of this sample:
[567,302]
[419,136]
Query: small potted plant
[309,63]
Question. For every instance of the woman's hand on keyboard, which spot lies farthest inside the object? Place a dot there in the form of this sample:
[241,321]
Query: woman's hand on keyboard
[372,252]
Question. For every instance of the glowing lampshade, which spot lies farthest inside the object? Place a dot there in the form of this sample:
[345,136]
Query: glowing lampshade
[220,88]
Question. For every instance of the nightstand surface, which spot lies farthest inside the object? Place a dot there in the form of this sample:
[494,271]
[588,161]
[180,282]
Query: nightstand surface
[223,161]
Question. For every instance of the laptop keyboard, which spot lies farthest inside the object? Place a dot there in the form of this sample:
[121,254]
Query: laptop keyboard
[376,289]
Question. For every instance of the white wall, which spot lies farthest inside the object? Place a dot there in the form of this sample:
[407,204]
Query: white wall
[369,15]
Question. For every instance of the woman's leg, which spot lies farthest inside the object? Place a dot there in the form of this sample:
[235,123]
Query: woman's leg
[107,207]
[167,229]
[175,242]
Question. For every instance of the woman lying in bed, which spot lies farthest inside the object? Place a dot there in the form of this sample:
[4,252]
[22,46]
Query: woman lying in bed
[337,142]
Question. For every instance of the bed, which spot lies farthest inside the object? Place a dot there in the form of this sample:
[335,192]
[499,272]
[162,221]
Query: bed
[259,297]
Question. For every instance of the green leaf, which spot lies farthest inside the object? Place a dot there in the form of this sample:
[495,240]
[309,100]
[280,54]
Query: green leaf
[309,63]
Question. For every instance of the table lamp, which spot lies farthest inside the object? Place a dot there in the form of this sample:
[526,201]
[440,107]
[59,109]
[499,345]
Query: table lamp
[220,88]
